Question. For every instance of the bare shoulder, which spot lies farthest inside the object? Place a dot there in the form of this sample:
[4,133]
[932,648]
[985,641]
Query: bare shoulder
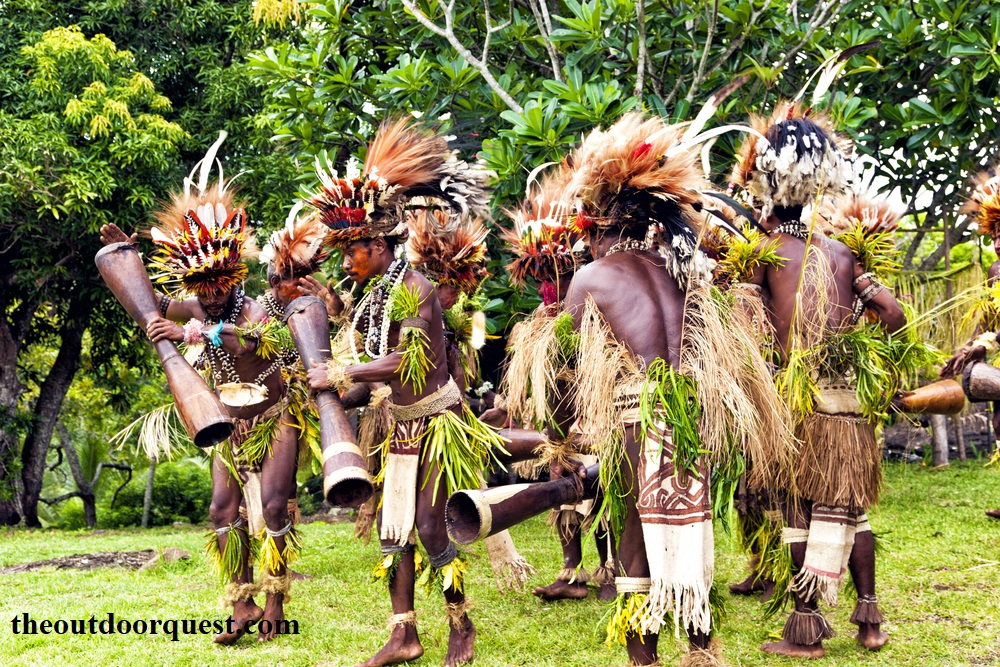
[252,311]
[418,280]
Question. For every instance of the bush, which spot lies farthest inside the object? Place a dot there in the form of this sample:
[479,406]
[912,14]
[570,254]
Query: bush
[71,515]
[181,492]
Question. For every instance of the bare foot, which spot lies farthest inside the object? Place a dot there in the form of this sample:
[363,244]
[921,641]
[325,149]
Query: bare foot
[562,590]
[871,637]
[785,647]
[460,643]
[748,586]
[403,646]
[993,513]
[605,593]
[274,612]
[244,613]
[299,576]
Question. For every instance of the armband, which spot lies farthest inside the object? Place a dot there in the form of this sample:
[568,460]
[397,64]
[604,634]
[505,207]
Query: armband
[338,378]
[164,304]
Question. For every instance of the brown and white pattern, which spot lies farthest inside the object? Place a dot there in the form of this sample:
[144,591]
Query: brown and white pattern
[676,515]
[399,505]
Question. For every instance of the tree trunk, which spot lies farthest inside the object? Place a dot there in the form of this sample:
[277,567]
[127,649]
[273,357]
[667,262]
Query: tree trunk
[13,327]
[147,499]
[83,485]
[47,407]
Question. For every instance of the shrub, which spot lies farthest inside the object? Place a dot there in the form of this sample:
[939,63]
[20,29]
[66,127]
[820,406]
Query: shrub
[181,492]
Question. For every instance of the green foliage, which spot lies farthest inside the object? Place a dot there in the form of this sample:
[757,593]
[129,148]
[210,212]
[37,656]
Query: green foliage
[576,66]
[181,492]
[743,256]
[875,251]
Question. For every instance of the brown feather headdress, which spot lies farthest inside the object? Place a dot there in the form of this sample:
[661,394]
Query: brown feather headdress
[984,203]
[620,174]
[403,161]
[874,215]
[297,248]
[544,246]
[456,257]
[793,173]
[203,236]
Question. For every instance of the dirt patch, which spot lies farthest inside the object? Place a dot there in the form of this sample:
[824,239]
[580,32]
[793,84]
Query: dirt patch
[130,559]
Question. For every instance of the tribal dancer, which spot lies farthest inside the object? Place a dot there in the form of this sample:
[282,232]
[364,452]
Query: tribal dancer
[453,257]
[437,445]
[292,254]
[638,385]
[984,205]
[547,252]
[201,241]
[838,370]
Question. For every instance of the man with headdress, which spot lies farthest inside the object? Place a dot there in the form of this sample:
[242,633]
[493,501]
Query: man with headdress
[984,205]
[817,293]
[292,254]
[548,253]
[452,255]
[201,241]
[632,404]
[436,445]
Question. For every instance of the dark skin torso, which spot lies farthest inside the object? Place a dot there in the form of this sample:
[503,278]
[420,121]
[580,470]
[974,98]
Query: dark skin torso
[385,369]
[780,285]
[642,304]
[247,364]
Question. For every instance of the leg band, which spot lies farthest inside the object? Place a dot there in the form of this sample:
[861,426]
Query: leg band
[408,618]
[449,554]
[456,612]
[866,611]
[806,628]
[234,593]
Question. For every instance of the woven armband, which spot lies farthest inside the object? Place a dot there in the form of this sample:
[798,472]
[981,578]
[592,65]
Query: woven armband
[338,378]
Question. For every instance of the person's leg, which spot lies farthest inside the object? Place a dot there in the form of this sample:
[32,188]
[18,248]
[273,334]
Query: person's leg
[632,554]
[604,575]
[862,565]
[276,484]
[805,630]
[231,532]
[442,552]
[404,642]
[571,583]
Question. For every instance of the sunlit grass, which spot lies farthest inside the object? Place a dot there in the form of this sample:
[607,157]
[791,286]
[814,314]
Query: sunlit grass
[939,587]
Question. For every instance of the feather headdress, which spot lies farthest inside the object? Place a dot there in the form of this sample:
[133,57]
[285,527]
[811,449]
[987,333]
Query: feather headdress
[202,235]
[445,253]
[811,157]
[544,247]
[403,161]
[872,215]
[984,203]
[624,175]
[297,248]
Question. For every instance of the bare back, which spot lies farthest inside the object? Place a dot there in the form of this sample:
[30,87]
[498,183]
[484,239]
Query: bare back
[642,303]
[782,283]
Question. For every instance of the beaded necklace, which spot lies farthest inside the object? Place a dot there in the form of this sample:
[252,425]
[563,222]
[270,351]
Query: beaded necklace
[795,228]
[373,311]
[627,245]
[223,362]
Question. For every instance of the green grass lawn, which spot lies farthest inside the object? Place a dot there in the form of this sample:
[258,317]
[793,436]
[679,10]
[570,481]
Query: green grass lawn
[939,587]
